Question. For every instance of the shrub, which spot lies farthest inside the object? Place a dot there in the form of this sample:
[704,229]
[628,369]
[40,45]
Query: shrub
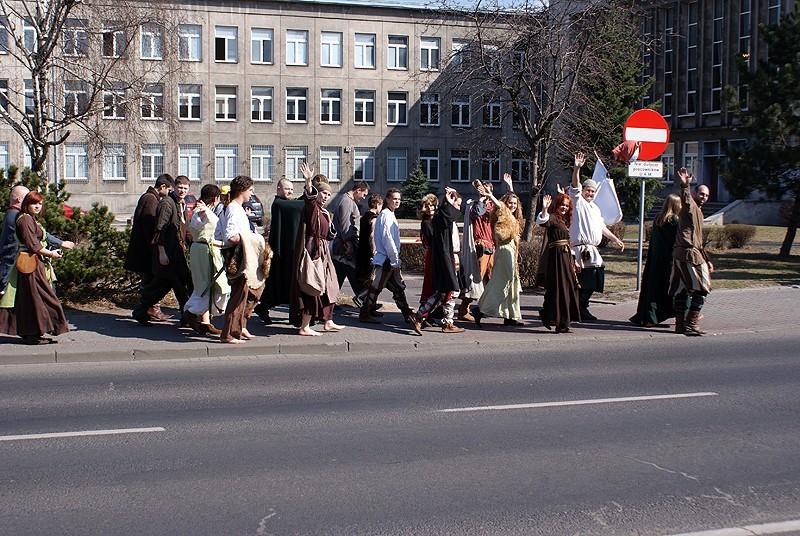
[412,258]
[414,189]
[618,229]
[529,253]
[648,230]
[739,235]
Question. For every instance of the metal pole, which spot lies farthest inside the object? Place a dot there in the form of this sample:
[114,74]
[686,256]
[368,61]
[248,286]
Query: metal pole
[641,235]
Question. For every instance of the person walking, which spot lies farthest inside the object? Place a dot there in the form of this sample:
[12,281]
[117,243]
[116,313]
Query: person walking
[561,285]
[346,219]
[30,308]
[691,266]
[478,225]
[386,262]
[655,303]
[426,212]
[366,245]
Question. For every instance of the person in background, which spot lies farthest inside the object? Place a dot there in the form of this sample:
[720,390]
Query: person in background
[428,208]
[248,210]
[210,293]
[655,303]
[30,308]
[366,245]
[346,218]
[483,237]
[284,223]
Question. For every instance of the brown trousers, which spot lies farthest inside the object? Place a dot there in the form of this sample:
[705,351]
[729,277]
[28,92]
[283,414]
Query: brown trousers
[240,306]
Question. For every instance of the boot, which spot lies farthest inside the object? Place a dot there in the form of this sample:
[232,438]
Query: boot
[451,328]
[416,322]
[692,325]
[366,308]
[463,311]
[680,326]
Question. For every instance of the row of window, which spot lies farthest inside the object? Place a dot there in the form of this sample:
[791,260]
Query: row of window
[114,42]
[226,107]
[226,162]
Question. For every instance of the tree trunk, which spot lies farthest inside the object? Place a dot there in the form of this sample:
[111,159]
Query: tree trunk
[533,198]
[791,229]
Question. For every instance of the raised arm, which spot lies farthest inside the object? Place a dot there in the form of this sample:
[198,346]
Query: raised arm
[509,183]
[308,174]
[580,160]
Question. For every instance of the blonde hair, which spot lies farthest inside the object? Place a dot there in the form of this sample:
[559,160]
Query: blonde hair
[672,205]
[428,200]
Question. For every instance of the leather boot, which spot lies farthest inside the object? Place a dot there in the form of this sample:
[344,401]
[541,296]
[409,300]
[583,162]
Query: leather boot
[463,311]
[692,325]
[365,315]
[680,326]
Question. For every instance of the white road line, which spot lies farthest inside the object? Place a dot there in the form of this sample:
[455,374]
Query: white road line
[578,402]
[82,433]
[750,530]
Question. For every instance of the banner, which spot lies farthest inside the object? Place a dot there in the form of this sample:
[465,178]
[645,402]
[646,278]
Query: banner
[606,197]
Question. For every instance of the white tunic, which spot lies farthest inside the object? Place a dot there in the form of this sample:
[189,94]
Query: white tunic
[586,230]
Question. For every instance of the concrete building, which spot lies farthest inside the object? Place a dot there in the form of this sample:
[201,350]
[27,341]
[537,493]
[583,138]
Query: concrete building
[260,87]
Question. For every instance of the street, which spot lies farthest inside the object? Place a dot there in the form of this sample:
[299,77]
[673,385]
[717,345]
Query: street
[657,436]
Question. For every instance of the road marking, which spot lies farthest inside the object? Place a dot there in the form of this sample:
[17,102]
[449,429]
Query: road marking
[55,435]
[750,530]
[578,402]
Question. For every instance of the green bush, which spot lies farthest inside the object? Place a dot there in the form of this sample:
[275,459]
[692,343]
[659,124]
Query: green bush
[414,189]
[738,235]
[618,229]
[412,258]
[528,260]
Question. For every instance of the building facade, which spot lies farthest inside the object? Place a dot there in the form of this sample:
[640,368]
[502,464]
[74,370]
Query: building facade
[693,62]
[260,87]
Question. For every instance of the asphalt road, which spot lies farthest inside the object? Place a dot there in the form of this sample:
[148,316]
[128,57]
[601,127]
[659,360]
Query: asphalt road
[358,444]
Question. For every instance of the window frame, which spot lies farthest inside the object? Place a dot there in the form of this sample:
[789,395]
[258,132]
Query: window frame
[150,153]
[155,96]
[155,34]
[457,161]
[393,170]
[299,44]
[430,53]
[186,39]
[190,158]
[259,161]
[257,43]
[395,51]
[293,173]
[115,156]
[366,102]
[429,109]
[363,159]
[190,96]
[80,160]
[334,105]
[328,155]
[262,100]
[229,102]
[298,103]
[334,47]
[429,162]
[400,108]
[364,51]
[228,160]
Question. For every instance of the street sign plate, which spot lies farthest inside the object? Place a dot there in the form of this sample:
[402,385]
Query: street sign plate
[648,127]
[645,169]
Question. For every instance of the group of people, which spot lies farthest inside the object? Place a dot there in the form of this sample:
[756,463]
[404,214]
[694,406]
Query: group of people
[310,252]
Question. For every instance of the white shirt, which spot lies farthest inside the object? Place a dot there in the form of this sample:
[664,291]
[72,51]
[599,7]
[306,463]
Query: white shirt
[586,229]
[387,239]
[232,221]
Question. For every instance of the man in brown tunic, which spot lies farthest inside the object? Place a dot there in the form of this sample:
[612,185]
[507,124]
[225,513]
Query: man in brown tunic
[691,268]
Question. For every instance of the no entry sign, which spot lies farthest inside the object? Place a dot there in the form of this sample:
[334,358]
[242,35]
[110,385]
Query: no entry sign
[648,127]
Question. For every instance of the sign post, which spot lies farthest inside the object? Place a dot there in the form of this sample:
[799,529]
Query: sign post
[649,128]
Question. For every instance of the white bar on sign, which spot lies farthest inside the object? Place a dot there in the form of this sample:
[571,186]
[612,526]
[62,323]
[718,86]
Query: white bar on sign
[655,135]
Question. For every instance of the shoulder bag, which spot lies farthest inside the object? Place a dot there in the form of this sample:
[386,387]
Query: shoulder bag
[26,262]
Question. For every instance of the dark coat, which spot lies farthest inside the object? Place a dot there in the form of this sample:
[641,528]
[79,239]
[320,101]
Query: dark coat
[366,246]
[140,248]
[284,224]
[443,273]
[560,286]
[170,232]
[655,303]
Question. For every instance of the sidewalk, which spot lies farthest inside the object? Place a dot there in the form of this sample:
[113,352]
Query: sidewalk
[112,335]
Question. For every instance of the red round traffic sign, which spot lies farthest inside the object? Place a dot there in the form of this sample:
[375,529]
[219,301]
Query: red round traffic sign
[648,127]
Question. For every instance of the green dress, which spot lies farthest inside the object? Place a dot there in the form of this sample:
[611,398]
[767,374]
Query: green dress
[655,303]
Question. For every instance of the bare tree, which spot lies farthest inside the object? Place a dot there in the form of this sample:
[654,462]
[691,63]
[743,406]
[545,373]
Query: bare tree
[525,59]
[79,62]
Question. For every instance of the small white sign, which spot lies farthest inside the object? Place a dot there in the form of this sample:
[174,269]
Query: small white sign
[646,169]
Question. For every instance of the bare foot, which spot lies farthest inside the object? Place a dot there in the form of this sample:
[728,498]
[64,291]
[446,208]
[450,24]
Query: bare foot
[308,332]
[331,326]
[247,335]
[234,341]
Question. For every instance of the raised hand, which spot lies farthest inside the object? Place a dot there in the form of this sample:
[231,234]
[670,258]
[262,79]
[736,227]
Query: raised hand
[685,177]
[559,188]
[507,180]
[546,200]
[580,159]
[308,171]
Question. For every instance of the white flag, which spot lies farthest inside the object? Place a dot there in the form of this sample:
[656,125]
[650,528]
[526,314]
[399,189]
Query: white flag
[606,197]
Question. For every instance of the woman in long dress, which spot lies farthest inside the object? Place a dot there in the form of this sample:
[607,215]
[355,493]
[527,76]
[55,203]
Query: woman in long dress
[426,211]
[501,296]
[30,308]
[655,303]
[560,306]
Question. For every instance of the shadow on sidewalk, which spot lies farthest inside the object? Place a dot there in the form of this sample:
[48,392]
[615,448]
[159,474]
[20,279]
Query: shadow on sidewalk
[118,324]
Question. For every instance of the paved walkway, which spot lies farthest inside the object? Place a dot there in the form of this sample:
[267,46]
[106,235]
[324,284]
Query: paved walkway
[112,335]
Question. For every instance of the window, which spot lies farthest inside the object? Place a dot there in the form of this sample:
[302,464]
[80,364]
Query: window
[296,105]
[76,161]
[30,99]
[520,167]
[429,110]
[364,106]
[190,42]
[429,162]
[76,97]
[189,161]
[459,165]
[225,107]
[226,162]
[261,158]
[396,165]
[75,38]
[331,106]
[153,101]
[491,113]
[398,52]
[115,103]
[152,162]
[330,163]
[669,61]
[261,104]
[115,163]
[296,47]
[690,156]
[745,12]
[690,105]
[330,49]
[295,157]
[4,156]
[397,112]
[717,51]
[152,42]
[114,40]
[3,35]
[521,112]
[261,45]
[30,37]
[365,51]
[429,54]
[364,164]
[458,55]
[189,102]
[773,12]
[668,160]
[226,44]
[4,94]
[461,112]
[490,166]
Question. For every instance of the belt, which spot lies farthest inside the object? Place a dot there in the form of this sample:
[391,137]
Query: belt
[558,243]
